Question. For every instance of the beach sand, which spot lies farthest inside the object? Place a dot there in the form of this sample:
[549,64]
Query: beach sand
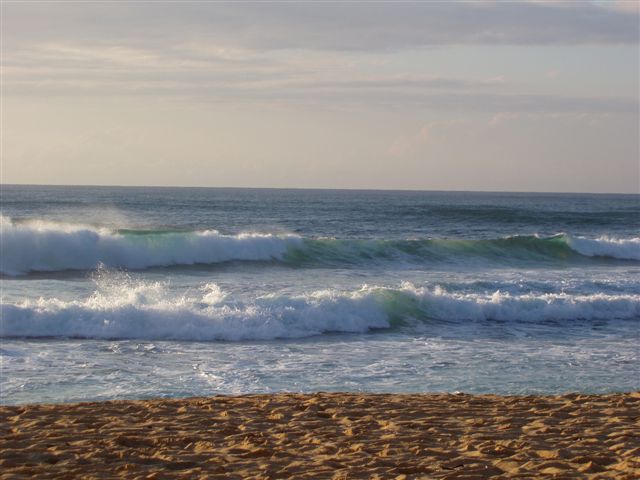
[327,435]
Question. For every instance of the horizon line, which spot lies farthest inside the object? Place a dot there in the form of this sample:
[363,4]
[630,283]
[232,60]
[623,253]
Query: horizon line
[355,189]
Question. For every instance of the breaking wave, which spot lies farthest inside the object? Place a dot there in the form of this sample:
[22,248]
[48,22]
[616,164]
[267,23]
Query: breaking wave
[48,247]
[38,246]
[124,309]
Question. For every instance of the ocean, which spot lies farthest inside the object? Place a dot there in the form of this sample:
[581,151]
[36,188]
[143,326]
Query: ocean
[140,292]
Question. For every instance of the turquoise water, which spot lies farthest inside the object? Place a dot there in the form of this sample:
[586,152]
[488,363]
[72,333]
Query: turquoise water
[113,292]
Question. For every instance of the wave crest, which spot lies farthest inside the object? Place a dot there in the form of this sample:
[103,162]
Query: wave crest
[50,247]
[123,309]
[626,249]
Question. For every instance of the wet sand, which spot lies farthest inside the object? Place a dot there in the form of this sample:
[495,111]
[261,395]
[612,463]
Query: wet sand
[327,436]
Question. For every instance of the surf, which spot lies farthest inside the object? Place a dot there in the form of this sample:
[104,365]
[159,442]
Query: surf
[124,308]
[42,246]
[48,247]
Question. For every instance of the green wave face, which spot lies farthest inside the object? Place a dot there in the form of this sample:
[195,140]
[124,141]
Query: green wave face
[530,249]
[357,251]
[400,306]
[58,247]
[127,232]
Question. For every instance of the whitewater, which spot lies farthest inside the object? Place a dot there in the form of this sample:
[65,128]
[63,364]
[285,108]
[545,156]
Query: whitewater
[40,246]
[113,292]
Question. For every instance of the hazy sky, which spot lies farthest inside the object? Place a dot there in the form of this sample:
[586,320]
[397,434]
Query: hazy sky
[481,95]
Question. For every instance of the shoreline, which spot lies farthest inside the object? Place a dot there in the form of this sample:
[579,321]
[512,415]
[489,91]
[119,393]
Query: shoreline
[327,435]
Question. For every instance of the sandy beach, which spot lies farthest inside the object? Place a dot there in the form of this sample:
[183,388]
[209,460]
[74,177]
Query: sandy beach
[327,435]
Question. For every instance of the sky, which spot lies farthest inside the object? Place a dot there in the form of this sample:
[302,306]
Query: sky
[536,95]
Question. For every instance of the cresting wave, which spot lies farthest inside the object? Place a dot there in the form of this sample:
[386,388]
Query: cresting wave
[39,246]
[122,309]
[49,247]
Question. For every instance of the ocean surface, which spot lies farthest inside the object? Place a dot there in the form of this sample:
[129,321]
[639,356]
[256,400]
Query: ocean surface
[114,292]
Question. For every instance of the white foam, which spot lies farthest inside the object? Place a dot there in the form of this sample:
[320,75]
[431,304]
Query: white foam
[605,246]
[528,307]
[47,246]
[122,308]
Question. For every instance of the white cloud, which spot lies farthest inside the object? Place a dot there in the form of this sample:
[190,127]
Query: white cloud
[215,74]
[406,144]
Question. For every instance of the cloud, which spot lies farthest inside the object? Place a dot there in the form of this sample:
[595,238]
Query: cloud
[240,76]
[298,53]
[407,82]
[585,118]
[320,26]
[632,6]
[403,145]
[72,70]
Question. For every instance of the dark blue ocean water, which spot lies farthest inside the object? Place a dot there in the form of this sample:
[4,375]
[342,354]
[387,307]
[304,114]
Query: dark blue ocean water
[331,213]
[114,292]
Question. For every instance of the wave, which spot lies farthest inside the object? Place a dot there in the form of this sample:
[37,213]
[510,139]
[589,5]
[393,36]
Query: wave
[605,246]
[47,247]
[123,309]
[499,251]
[38,246]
